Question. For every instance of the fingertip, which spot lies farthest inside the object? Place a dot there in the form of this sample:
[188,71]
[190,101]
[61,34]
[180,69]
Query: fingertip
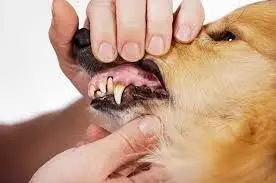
[185,33]
[159,45]
[106,52]
[132,52]
[64,22]
[189,21]
[156,46]
[95,132]
[149,126]
[60,8]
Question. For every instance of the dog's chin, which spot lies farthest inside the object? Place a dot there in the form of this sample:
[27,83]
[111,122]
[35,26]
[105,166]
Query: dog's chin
[113,119]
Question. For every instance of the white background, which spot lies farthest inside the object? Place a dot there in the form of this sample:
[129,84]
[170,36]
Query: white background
[31,82]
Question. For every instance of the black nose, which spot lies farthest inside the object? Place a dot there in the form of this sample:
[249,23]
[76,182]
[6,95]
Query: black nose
[81,40]
[83,53]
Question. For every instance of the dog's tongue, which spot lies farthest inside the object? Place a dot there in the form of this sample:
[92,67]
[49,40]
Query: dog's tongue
[115,80]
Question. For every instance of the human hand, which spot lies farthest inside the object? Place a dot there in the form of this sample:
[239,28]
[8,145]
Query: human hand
[96,162]
[151,29]
[129,27]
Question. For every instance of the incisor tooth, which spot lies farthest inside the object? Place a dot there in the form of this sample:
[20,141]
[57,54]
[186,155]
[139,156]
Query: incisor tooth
[100,94]
[110,86]
[102,86]
[118,92]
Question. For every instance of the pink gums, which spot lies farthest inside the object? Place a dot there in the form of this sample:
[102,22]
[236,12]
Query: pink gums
[126,74]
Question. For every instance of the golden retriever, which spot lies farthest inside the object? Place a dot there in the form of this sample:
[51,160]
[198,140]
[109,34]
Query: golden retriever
[216,98]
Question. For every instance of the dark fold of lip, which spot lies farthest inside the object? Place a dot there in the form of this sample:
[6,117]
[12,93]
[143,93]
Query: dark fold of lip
[132,95]
[83,54]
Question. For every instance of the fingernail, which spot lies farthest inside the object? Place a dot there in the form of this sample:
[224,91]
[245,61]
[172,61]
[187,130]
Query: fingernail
[184,33]
[149,126]
[131,52]
[156,45]
[106,52]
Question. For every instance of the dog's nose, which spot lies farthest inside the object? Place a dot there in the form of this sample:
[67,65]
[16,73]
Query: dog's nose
[81,40]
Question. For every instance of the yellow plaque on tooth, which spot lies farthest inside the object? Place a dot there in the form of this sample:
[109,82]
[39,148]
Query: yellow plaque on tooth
[118,92]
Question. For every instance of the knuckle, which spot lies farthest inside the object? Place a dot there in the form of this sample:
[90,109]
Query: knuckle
[166,20]
[132,24]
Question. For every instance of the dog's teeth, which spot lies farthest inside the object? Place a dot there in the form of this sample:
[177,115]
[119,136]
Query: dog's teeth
[91,92]
[110,87]
[100,94]
[118,92]
[102,86]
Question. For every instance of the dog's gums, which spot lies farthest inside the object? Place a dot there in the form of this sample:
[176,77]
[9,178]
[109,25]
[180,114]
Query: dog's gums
[116,80]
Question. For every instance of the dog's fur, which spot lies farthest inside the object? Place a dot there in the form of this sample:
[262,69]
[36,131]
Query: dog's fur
[220,123]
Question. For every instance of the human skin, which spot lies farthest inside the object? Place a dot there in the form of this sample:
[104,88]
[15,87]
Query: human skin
[96,162]
[128,32]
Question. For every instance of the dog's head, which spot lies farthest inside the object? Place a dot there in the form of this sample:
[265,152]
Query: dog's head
[216,97]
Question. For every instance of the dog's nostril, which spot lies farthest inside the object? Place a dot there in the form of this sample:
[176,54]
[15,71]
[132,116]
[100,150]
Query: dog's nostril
[81,40]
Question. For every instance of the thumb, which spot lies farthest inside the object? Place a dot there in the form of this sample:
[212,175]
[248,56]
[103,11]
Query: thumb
[129,143]
[63,27]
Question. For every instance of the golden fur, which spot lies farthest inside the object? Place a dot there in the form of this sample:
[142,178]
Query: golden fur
[220,124]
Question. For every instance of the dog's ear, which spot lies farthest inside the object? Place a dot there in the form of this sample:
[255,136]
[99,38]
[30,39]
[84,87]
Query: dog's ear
[262,19]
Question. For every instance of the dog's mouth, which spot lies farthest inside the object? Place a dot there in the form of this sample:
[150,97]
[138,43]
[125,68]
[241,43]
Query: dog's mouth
[124,85]
[118,85]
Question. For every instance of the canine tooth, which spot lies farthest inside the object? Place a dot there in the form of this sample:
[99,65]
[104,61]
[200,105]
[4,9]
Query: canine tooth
[100,94]
[110,86]
[102,86]
[118,92]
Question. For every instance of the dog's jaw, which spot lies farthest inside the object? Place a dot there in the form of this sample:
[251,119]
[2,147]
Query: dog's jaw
[219,124]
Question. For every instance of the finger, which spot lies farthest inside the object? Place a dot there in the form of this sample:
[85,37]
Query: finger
[131,27]
[101,14]
[189,20]
[129,143]
[94,132]
[159,26]
[63,27]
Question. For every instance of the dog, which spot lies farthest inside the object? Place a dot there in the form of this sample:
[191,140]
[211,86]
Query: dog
[216,98]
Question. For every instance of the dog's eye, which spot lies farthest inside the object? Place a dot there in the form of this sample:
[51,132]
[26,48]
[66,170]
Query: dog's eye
[229,36]
[226,36]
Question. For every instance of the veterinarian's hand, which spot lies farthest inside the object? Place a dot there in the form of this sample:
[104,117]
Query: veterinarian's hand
[130,32]
[130,27]
[100,161]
